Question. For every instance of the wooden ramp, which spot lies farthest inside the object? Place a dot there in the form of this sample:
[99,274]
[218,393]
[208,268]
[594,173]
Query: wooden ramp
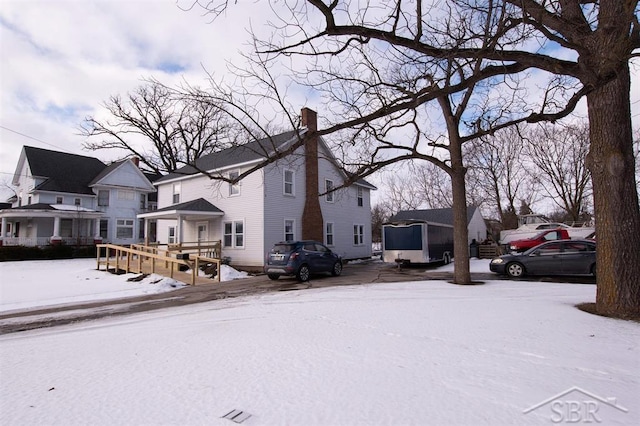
[184,263]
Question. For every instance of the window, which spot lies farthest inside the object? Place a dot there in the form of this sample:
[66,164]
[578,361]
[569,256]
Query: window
[66,228]
[358,235]
[549,249]
[289,188]
[29,199]
[59,200]
[172,235]
[76,201]
[233,234]
[234,189]
[103,197]
[203,235]
[126,195]
[143,201]
[328,186]
[104,229]
[289,226]
[360,196]
[176,193]
[239,229]
[124,228]
[228,234]
[328,236]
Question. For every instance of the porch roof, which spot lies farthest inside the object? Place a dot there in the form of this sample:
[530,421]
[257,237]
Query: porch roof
[50,210]
[189,210]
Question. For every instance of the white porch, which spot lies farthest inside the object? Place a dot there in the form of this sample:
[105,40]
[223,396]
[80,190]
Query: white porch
[44,224]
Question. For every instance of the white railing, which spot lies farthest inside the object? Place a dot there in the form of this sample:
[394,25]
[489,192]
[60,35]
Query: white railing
[45,241]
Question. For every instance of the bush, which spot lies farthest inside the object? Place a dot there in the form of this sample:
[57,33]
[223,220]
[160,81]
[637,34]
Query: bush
[11,253]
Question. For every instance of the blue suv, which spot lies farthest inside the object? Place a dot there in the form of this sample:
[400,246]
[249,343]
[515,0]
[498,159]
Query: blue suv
[301,259]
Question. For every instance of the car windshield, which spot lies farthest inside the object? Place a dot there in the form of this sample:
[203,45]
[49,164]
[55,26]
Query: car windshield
[282,248]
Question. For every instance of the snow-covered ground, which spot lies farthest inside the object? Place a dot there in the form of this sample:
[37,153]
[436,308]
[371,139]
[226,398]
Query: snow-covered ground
[424,352]
[41,283]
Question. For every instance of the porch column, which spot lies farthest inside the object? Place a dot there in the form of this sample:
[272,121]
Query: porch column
[179,229]
[97,238]
[146,232]
[55,238]
[3,232]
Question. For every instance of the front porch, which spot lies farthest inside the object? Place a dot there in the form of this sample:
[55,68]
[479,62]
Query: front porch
[43,224]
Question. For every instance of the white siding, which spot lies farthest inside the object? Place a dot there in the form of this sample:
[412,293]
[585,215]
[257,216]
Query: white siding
[344,212]
[264,207]
[248,206]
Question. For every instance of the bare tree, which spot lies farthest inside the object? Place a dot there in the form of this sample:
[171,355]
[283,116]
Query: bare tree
[560,153]
[162,128]
[498,165]
[394,51]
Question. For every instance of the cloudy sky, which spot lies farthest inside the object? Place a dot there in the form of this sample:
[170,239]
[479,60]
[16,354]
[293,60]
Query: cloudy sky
[62,58]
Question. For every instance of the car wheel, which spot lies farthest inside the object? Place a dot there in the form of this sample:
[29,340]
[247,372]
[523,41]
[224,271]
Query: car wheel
[273,276]
[303,273]
[593,269]
[337,269]
[515,270]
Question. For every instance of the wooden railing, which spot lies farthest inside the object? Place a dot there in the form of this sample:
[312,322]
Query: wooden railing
[140,259]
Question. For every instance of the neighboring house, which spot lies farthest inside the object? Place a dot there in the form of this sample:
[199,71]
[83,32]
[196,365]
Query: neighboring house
[476,224]
[281,201]
[74,199]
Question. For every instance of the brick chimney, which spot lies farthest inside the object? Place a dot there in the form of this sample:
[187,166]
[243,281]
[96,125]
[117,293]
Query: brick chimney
[136,161]
[312,223]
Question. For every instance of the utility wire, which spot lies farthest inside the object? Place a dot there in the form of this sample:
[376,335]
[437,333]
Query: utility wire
[35,139]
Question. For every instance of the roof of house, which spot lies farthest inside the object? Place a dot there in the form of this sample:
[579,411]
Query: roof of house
[64,172]
[444,215]
[198,205]
[238,154]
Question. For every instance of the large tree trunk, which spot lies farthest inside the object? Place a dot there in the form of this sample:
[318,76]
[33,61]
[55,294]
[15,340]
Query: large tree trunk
[612,167]
[461,272]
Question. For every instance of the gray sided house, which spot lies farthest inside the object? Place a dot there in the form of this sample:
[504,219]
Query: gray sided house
[74,199]
[475,222]
[279,202]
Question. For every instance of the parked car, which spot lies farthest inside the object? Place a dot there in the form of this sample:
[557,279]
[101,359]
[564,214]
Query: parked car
[548,235]
[564,257]
[301,259]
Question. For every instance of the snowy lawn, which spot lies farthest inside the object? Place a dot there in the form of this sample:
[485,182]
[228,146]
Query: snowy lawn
[40,283]
[422,353]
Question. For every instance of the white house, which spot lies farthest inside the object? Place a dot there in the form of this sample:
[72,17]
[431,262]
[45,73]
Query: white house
[74,199]
[285,200]
[476,225]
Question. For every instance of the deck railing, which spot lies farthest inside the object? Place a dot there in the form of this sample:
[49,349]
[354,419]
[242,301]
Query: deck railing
[139,258]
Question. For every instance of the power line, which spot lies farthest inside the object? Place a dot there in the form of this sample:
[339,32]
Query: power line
[35,139]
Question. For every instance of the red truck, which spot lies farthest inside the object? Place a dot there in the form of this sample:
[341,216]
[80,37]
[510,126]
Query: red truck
[548,235]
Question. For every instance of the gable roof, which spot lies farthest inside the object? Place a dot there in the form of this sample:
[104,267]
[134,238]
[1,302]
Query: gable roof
[444,215]
[63,172]
[238,154]
[198,205]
